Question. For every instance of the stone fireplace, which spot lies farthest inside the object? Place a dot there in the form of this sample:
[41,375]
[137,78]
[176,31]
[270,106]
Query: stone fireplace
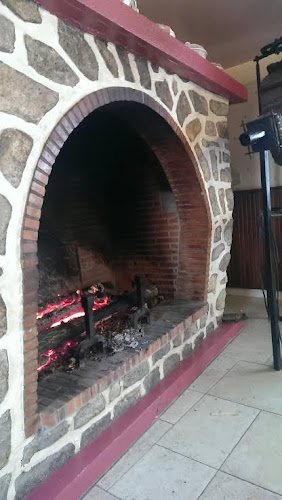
[112,165]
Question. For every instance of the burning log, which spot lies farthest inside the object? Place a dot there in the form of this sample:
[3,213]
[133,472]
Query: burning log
[95,308]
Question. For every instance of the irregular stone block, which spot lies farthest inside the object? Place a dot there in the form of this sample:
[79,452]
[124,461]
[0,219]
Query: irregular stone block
[5,211]
[203,320]
[7,35]
[47,62]
[114,391]
[183,108]
[226,157]
[15,147]
[136,374]
[144,73]
[193,129]
[155,68]
[160,353]
[229,199]
[177,341]
[3,318]
[213,200]
[4,485]
[214,165]
[4,374]
[107,56]
[224,280]
[28,480]
[199,339]
[124,59]
[187,349]
[89,411]
[210,128]
[221,196]
[94,430]
[163,92]
[43,439]
[219,108]
[212,283]
[210,328]
[189,332]
[220,301]
[25,9]
[209,144]
[74,44]
[199,102]
[203,163]
[224,262]
[217,251]
[23,97]
[227,233]
[217,234]
[175,87]
[126,402]
[5,438]
[152,379]
[170,363]
[225,174]
[222,130]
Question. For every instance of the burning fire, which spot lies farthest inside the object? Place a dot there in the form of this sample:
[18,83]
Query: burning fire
[57,305]
[55,355]
[98,304]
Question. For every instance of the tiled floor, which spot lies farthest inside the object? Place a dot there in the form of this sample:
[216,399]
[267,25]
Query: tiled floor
[220,440]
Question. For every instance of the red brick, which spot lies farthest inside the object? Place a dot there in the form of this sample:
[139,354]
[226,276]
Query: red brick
[29,321]
[33,212]
[30,367]
[30,379]
[70,407]
[48,419]
[44,166]
[78,401]
[30,356]
[38,188]
[31,223]
[36,200]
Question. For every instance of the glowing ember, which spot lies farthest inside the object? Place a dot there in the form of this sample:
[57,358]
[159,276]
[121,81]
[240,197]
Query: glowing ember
[57,305]
[54,355]
[98,304]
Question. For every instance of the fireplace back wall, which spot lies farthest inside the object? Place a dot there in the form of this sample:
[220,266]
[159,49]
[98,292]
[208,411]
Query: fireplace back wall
[108,213]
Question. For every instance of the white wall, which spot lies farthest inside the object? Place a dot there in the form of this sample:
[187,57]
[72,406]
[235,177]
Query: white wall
[246,171]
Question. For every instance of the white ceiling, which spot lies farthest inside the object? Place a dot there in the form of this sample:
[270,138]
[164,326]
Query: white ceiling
[232,31]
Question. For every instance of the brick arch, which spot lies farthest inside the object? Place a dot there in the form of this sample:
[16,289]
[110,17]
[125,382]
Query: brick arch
[177,160]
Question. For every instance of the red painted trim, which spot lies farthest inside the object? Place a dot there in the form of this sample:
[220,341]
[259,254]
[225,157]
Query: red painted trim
[84,469]
[117,23]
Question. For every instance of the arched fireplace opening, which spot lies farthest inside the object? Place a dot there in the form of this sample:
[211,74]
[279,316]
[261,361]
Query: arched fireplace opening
[117,194]
[108,213]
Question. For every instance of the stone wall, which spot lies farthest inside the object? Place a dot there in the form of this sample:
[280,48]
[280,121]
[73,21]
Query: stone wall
[46,68]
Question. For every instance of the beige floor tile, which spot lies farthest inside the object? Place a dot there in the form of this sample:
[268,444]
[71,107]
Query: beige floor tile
[253,307]
[213,373]
[97,493]
[253,385]
[225,487]
[258,456]
[209,431]
[135,452]
[163,475]
[252,344]
[181,406]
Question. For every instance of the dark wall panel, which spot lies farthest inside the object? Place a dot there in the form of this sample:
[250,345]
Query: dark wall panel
[246,263]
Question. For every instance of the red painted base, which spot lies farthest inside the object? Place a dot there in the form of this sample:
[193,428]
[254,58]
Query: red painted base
[74,478]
